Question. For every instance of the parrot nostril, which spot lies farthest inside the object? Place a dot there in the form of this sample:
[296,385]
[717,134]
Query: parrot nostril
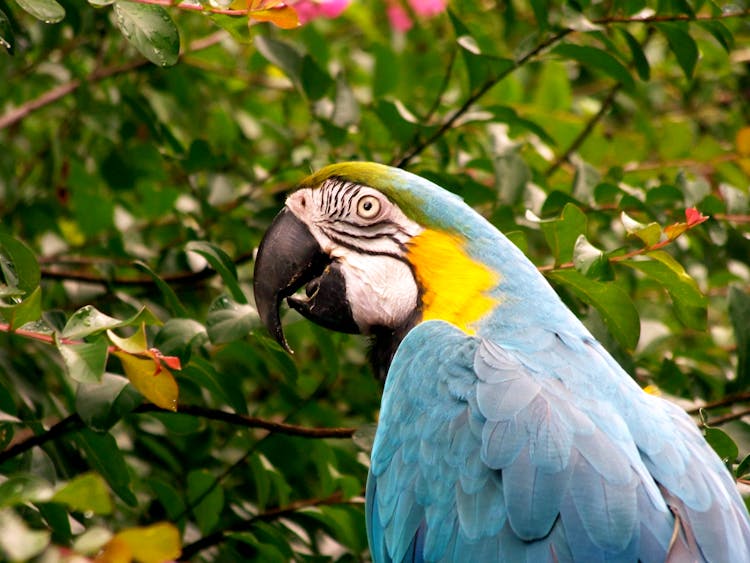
[303,202]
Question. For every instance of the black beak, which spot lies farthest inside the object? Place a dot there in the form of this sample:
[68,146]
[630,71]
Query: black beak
[288,258]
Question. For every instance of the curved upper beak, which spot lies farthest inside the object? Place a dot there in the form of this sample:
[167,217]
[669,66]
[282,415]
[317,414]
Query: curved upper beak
[288,258]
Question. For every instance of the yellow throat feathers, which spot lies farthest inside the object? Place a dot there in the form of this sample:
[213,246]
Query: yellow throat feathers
[454,287]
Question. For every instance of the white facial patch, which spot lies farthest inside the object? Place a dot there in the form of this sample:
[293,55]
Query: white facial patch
[381,290]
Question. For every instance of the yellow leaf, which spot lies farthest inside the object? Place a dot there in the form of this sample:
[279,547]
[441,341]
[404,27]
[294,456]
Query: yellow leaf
[743,149]
[134,344]
[743,141]
[151,544]
[284,17]
[116,551]
[673,231]
[151,379]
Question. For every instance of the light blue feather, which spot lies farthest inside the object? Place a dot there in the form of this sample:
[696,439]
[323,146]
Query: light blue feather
[533,425]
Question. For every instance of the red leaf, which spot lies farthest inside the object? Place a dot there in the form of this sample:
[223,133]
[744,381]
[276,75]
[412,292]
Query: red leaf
[694,217]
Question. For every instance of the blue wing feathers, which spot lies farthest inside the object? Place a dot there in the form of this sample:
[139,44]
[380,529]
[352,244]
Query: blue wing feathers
[490,453]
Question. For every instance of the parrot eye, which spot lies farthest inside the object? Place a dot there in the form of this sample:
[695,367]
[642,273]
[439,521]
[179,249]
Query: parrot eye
[368,207]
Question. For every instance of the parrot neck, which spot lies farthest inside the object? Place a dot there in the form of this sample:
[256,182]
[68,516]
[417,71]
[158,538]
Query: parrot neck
[384,343]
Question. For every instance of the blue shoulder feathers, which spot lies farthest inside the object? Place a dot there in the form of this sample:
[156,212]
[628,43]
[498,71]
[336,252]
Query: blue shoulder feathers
[547,452]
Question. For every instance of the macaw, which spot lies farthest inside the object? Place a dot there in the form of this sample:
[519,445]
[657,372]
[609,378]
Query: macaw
[506,431]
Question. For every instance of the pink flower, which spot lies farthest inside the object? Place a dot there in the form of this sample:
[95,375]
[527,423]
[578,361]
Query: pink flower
[399,18]
[311,9]
[428,8]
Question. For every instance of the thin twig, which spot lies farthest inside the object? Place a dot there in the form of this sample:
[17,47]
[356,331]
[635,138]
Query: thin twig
[719,420]
[217,537]
[473,98]
[656,18]
[723,402]
[73,422]
[17,114]
[68,424]
[253,422]
[586,131]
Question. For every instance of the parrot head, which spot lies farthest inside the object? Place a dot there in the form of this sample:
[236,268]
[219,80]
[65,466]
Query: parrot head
[378,250]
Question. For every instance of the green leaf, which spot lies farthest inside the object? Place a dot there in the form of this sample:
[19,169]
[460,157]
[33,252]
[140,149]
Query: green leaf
[227,320]
[598,59]
[650,234]
[640,62]
[84,362]
[222,264]
[18,265]
[282,55]
[88,320]
[345,107]
[150,29]
[508,115]
[589,260]
[206,497]
[682,45]
[106,458]
[27,311]
[173,302]
[722,444]
[86,493]
[739,314]
[177,336]
[172,501]
[743,469]
[541,13]
[101,405]
[690,304]
[314,80]
[482,69]
[562,233]
[224,387]
[7,37]
[719,32]
[48,11]
[23,488]
[617,310]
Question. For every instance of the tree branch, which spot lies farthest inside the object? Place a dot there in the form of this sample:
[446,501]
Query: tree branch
[586,131]
[50,96]
[723,402]
[719,420]
[217,537]
[74,422]
[473,98]
[253,422]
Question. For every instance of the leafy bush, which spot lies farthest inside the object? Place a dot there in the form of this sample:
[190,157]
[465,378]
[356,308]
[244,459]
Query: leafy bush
[148,144]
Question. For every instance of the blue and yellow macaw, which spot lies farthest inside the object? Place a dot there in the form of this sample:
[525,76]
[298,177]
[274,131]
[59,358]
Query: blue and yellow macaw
[506,431]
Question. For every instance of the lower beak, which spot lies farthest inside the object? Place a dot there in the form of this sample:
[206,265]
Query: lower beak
[288,258]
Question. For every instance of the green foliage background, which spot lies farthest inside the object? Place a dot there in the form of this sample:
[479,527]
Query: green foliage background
[136,184]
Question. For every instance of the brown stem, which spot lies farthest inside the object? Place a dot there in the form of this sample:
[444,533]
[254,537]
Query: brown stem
[217,537]
[719,420]
[723,402]
[73,422]
[253,422]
